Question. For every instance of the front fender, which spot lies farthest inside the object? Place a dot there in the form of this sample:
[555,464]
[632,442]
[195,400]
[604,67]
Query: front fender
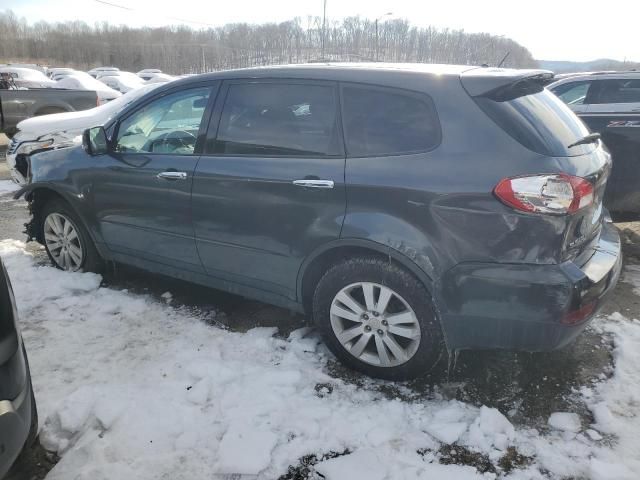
[63,173]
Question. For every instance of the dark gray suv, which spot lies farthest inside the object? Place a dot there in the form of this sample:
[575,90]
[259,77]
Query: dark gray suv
[406,208]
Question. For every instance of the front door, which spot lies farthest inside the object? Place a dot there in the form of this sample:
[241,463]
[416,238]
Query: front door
[269,188]
[142,194]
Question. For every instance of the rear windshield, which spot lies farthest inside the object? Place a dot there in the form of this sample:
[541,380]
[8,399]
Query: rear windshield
[537,119]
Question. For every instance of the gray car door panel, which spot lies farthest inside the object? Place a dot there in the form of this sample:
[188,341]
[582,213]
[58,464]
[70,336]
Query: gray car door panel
[260,208]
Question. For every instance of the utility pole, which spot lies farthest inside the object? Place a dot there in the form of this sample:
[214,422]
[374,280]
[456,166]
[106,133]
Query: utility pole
[377,20]
[324,26]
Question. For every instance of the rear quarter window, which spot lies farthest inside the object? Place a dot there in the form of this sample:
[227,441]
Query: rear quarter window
[387,121]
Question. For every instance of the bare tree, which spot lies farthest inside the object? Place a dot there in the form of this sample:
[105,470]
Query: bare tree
[180,49]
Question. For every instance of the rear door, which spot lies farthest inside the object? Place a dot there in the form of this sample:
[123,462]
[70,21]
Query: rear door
[269,188]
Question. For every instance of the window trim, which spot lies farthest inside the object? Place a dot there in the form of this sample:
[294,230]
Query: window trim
[397,90]
[216,117]
[132,109]
[602,84]
[591,88]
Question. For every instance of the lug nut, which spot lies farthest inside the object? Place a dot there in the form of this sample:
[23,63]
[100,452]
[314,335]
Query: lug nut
[365,316]
[367,328]
[375,314]
[385,323]
[380,332]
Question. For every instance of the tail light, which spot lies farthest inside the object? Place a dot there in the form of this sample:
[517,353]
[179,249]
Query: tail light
[552,193]
[578,316]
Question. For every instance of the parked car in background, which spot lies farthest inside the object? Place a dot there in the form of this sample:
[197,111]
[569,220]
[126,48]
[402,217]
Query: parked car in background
[95,71]
[160,78]
[609,104]
[27,77]
[32,66]
[474,218]
[18,105]
[60,76]
[83,81]
[18,413]
[60,130]
[56,71]
[148,73]
[123,82]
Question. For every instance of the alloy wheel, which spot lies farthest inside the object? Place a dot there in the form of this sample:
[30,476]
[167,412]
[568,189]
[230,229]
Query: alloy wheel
[63,242]
[375,324]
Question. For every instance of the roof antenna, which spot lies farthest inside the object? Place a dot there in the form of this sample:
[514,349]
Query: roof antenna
[503,59]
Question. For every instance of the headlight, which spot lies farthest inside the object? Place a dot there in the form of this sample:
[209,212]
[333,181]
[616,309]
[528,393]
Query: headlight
[28,147]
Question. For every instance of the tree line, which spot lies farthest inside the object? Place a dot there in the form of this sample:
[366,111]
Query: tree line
[180,49]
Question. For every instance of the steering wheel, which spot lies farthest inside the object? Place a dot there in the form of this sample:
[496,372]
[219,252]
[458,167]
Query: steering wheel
[175,138]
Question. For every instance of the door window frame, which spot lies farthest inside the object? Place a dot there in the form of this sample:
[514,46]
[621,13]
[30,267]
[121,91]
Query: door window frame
[214,89]
[216,116]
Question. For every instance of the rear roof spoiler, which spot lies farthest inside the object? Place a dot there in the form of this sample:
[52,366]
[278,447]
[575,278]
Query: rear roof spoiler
[481,81]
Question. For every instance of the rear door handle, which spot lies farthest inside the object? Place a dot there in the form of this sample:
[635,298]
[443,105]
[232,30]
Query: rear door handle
[314,183]
[172,175]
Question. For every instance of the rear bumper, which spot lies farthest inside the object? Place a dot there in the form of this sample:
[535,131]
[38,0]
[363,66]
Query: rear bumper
[527,307]
[15,424]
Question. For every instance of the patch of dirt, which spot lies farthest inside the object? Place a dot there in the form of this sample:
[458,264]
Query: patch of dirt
[305,471]
[33,463]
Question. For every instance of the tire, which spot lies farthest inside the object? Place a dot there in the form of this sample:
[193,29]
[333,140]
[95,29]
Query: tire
[89,260]
[423,346]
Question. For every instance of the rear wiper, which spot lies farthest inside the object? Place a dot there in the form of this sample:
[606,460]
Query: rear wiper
[591,138]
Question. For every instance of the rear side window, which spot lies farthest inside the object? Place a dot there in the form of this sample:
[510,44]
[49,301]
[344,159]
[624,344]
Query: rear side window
[573,93]
[383,121]
[278,119]
[537,119]
[618,91]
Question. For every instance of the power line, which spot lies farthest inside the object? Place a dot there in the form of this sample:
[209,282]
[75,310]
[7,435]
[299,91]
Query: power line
[179,19]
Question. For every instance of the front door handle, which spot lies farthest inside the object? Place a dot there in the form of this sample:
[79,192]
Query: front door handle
[172,175]
[314,183]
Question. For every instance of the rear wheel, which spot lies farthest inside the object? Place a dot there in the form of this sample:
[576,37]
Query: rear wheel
[67,242]
[378,318]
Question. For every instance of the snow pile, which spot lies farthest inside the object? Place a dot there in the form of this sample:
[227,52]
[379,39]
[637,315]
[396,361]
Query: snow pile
[615,403]
[130,387]
[565,421]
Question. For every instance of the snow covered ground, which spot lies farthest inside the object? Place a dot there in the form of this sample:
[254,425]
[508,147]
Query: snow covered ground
[7,186]
[130,387]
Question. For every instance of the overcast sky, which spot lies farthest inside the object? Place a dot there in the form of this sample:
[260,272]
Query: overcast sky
[550,29]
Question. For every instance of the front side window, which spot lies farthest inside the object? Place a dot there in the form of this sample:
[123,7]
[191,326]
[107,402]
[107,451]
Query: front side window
[167,125]
[277,119]
[388,122]
[573,93]
[619,91]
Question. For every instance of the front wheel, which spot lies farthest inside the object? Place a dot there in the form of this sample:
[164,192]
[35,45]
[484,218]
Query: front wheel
[377,318]
[67,242]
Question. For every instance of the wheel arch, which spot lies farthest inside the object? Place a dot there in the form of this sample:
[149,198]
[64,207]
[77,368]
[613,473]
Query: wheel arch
[38,196]
[316,264]
[49,109]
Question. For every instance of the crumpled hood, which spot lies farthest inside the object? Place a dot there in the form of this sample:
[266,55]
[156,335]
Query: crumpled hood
[56,122]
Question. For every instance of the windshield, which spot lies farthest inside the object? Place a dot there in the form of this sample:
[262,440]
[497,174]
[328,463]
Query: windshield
[537,119]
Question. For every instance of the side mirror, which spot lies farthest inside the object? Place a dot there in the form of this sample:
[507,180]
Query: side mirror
[94,141]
